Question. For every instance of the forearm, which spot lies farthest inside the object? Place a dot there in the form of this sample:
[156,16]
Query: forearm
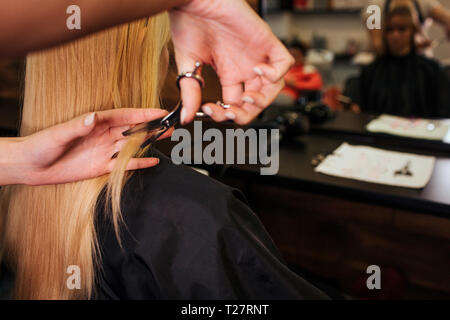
[441,15]
[27,25]
[11,164]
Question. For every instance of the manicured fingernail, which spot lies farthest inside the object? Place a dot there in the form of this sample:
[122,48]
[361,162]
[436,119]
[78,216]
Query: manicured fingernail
[157,160]
[183,116]
[230,115]
[248,99]
[207,110]
[258,71]
[89,119]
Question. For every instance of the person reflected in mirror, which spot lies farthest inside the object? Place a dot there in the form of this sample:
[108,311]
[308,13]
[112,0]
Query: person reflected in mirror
[424,12]
[401,81]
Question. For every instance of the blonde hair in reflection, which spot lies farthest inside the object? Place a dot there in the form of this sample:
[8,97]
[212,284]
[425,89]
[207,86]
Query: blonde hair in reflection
[46,229]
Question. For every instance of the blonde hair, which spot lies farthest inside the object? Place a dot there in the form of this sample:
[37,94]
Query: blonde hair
[46,229]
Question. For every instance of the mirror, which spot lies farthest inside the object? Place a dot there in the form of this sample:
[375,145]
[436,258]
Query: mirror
[353,58]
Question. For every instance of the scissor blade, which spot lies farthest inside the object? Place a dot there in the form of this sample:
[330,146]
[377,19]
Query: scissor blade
[153,138]
[147,126]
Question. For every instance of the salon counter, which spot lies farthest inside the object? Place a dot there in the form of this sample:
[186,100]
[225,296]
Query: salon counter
[297,173]
[337,227]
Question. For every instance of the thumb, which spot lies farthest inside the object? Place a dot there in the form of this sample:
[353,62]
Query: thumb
[79,127]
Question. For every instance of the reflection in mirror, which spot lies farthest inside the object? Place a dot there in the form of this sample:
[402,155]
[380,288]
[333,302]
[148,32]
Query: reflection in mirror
[340,65]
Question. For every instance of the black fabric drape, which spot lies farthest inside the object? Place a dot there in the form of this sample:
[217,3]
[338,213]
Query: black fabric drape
[188,236]
[410,86]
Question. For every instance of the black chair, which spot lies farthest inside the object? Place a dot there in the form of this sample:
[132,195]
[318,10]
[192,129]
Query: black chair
[447,68]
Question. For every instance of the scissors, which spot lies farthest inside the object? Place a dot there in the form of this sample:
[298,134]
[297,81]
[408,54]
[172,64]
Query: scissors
[405,171]
[159,126]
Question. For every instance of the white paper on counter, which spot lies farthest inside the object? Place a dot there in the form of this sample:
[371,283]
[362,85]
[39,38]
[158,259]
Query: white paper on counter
[378,166]
[411,128]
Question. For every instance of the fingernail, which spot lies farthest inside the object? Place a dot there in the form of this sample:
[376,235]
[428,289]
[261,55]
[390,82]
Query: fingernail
[230,115]
[248,99]
[258,71]
[207,110]
[157,160]
[182,116]
[89,119]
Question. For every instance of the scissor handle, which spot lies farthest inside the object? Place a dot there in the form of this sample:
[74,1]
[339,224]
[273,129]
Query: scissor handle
[192,74]
[164,124]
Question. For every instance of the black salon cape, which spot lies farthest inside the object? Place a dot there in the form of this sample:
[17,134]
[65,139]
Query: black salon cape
[188,236]
[409,86]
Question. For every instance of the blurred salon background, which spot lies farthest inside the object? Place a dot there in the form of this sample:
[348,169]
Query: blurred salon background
[387,89]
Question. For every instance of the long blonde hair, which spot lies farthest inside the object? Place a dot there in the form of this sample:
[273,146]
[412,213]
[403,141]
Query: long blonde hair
[46,229]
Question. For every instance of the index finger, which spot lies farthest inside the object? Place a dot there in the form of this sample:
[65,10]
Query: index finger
[129,116]
[280,61]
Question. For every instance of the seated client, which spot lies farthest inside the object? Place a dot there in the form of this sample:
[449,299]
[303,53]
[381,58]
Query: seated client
[403,82]
[166,232]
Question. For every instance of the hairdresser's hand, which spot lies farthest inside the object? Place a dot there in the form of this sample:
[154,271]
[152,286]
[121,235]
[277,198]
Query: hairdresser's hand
[248,58]
[79,149]
[422,41]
